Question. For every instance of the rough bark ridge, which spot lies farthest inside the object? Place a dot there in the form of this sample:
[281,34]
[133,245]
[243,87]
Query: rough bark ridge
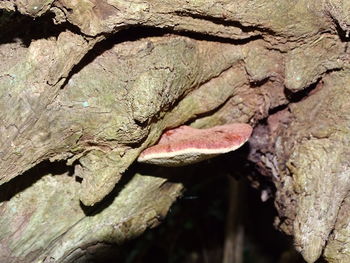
[93,83]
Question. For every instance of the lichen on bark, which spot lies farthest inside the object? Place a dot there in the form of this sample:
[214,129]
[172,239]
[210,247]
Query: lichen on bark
[93,83]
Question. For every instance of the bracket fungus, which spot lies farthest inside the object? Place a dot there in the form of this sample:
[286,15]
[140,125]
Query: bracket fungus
[186,145]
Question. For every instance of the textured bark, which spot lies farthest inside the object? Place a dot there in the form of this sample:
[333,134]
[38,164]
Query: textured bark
[313,181]
[93,83]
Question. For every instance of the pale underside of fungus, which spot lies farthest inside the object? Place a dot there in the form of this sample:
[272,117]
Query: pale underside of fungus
[186,145]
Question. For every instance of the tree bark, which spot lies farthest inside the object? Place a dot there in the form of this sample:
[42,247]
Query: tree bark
[87,85]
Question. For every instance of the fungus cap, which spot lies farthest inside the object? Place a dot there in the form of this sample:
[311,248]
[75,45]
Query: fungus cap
[186,145]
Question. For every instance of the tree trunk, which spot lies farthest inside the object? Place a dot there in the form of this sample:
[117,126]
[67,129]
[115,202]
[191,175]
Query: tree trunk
[85,86]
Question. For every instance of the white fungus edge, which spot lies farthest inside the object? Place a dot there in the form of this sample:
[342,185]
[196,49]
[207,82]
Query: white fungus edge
[188,151]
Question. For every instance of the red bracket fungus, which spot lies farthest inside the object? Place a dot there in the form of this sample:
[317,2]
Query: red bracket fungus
[186,145]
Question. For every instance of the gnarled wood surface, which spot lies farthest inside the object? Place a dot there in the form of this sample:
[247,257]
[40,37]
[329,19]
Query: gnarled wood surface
[90,84]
